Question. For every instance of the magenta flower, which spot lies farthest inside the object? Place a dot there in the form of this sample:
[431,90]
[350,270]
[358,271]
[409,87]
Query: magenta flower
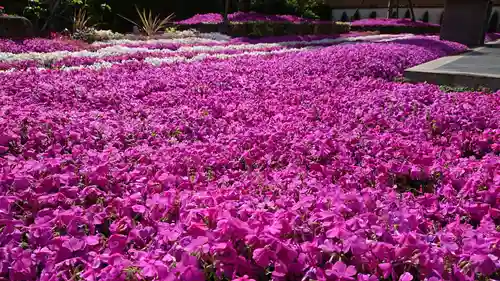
[116,243]
[341,271]
[240,159]
[244,278]
[406,277]
[74,244]
[263,256]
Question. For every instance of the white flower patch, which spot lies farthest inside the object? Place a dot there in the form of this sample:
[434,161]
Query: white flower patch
[189,40]
[176,59]
[47,58]
[402,37]
[254,49]
[55,56]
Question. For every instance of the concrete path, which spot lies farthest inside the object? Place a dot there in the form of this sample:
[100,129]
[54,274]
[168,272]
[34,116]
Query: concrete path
[478,68]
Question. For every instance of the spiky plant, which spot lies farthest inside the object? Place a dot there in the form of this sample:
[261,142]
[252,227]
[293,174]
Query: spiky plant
[148,24]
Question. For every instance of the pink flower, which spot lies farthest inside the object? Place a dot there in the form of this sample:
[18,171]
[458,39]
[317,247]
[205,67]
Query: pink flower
[74,244]
[406,277]
[263,256]
[116,243]
[341,271]
[244,278]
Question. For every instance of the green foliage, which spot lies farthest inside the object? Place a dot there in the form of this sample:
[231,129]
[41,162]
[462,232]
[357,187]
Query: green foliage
[305,8]
[344,17]
[356,16]
[460,89]
[425,17]
[80,20]
[150,25]
[57,14]
[171,29]
[407,14]
[493,23]
[87,35]
[35,8]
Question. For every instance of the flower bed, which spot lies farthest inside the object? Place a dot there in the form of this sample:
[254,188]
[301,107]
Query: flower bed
[306,165]
[40,45]
[266,29]
[258,25]
[112,52]
[241,17]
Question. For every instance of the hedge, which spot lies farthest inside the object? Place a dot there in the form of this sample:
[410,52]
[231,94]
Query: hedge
[262,29]
[398,29]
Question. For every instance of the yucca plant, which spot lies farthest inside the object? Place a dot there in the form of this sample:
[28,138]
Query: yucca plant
[80,20]
[150,25]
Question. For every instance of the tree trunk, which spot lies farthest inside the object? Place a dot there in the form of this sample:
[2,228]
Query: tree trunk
[226,10]
[357,10]
[244,5]
[397,9]
[53,8]
[389,9]
[410,6]
[224,27]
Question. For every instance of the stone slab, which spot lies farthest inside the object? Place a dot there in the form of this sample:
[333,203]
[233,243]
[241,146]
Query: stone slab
[465,21]
[477,68]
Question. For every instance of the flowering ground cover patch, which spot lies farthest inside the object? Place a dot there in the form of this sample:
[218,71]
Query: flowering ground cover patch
[304,165]
[241,17]
[112,52]
[40,45]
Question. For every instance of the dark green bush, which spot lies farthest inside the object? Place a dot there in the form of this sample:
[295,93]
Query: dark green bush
[407,14]
[425,17]
[493,23]
[344,17]
[399,29]
[263,29]
[356,16]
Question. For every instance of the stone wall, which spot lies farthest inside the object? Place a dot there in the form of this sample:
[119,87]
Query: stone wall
[435,13]
[348,4]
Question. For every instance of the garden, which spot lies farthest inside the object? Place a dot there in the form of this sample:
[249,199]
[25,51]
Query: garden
[199,156]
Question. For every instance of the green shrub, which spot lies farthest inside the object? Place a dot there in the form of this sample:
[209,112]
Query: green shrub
[263,29]
[493,23]
[407,14]
[344,17]
[425,17]
[356,16]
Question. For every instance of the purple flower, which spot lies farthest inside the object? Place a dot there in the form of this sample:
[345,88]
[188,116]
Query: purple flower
[406,277]
[484,264]
[74,244]
[116,243]
[263,256]
[341,271]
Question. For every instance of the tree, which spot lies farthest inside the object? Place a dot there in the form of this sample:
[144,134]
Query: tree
[225,19]
[410,7]
[244,5]
[51,12]
[390,6]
